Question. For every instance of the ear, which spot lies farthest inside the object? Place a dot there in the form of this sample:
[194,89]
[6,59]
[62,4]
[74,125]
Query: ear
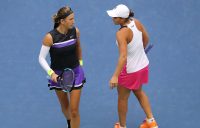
[62,21]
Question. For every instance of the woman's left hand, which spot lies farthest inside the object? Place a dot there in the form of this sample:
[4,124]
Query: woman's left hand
[113,82]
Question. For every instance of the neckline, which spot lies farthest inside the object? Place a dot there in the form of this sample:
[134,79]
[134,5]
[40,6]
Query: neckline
[60,32]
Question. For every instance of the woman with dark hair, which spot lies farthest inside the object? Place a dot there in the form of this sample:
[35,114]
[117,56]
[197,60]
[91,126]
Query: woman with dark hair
[63,44]
[132,68]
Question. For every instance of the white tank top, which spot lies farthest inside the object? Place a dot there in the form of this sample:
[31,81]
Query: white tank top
[136,56]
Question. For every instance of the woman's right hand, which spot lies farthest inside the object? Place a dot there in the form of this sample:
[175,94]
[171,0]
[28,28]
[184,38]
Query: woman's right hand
[54,77]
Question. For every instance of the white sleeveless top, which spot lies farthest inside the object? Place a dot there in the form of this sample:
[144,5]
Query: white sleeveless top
[136,56]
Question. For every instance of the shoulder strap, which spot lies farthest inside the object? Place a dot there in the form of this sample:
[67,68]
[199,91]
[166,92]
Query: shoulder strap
[123,27]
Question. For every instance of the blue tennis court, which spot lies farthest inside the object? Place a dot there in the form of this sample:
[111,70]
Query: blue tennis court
[173,89]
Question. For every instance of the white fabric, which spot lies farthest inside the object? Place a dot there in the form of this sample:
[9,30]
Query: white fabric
[136,57]
[119,11]
[42,58]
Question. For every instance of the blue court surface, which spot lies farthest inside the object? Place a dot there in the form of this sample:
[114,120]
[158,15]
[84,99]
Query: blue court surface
[173,89]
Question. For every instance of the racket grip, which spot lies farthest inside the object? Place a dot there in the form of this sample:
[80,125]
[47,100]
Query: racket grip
[148,48]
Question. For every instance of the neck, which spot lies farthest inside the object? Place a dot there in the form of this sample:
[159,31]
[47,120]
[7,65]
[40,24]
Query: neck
[125,23]
[62,30]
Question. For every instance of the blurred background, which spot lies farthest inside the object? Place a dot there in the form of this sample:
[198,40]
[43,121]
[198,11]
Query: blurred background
[173,88]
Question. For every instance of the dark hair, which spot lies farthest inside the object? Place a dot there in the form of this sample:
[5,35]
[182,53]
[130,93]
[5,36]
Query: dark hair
[131,14]
[61,14]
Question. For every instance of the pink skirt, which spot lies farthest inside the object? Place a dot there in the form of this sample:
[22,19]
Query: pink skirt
[133,81]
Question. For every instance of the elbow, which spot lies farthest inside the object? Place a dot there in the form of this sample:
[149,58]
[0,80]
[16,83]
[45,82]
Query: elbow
[40,59]
[146,43]
[123,57]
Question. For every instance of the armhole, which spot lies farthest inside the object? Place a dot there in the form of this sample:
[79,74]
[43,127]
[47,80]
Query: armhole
[75,32]
[52,35]
[130,30]
[123,27]
[136,25]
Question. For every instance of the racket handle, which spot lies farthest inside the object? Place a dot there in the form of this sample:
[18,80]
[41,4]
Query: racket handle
[148,48]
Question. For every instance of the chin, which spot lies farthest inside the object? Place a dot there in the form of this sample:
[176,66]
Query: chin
[71,27]
[116,23]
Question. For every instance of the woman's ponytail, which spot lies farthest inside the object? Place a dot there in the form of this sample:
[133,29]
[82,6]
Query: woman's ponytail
[55,20]
[131,14]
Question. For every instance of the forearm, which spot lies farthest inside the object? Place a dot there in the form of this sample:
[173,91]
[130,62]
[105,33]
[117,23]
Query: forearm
[121,62]
[78,48]
[42,59]
[79,53]
[145,40]
[145,37]
[145,44]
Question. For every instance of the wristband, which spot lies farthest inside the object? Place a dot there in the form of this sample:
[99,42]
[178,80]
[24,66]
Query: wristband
[50,72]
[81,62]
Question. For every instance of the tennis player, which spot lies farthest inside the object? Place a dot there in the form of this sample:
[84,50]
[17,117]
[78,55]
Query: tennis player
[63,44]
[132,68]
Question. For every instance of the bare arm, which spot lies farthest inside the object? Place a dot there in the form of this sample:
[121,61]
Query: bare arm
[122,39]
[48,41]
[79,50]
[145,36]
[122,45]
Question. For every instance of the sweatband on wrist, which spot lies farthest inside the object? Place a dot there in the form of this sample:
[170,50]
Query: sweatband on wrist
[81,62]
[50,72]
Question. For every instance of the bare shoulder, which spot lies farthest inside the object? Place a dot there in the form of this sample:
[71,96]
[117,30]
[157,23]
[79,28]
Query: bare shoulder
[77,32]
[138,24]
[125,34]
[48,40]
[123,31]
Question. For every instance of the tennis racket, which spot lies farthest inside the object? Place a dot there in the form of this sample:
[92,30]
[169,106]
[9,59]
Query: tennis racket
[149,47]
[66,80]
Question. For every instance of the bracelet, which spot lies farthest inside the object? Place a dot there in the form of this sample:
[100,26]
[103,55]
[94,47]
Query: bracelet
[50,72]
[81,62]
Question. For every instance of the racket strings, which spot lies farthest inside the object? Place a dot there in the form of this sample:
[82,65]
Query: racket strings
[66,80]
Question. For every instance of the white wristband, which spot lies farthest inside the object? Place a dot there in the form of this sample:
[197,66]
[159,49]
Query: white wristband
[50,72]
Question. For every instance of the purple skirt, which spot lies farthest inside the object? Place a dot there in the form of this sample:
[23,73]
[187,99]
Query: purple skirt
[79,79]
